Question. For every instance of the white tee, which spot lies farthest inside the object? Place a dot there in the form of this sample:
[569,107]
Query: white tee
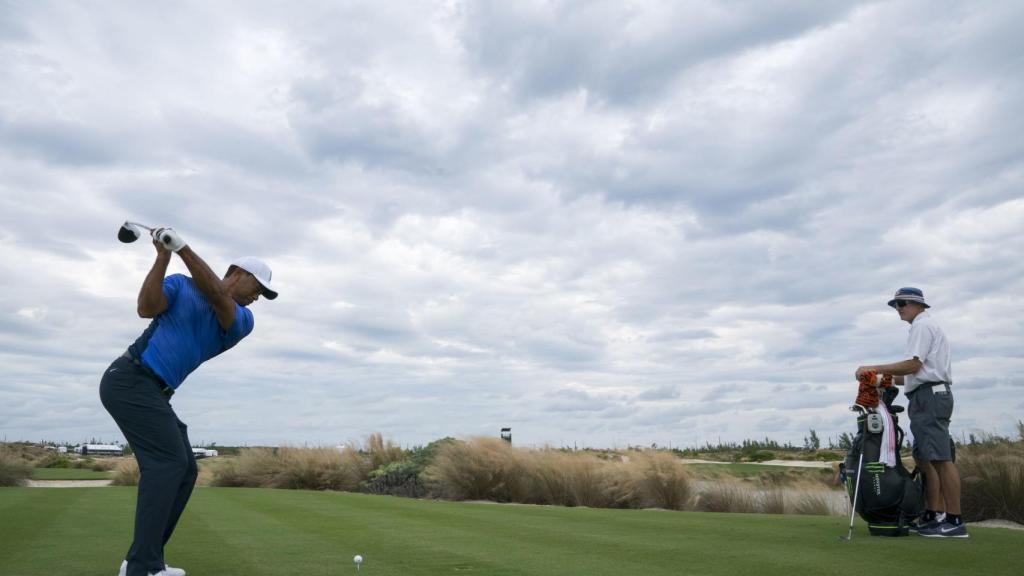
[927,342]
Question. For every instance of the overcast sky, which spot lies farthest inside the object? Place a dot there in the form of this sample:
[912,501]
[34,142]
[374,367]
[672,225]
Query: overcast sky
[597,223]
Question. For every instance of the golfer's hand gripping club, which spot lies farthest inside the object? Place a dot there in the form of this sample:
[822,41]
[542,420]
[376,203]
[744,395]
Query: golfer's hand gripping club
[169,239]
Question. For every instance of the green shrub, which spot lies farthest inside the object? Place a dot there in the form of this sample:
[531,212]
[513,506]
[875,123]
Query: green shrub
[13,470]
[761,456]
[396,479]
[53,460]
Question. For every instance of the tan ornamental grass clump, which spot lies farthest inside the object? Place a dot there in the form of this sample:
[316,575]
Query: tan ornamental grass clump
[813,503]
[382,452]
[992,482]
[477,469]
[728,497]
[772,501]
[491,469]
[295,468]
[253,468]
[126,473]
[659,480]
[14,471]
[567,479]
[321,469]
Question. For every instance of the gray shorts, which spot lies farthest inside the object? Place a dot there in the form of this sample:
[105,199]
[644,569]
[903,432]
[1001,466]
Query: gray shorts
[929,410]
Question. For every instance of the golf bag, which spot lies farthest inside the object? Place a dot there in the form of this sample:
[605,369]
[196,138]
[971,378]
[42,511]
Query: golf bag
[889,497]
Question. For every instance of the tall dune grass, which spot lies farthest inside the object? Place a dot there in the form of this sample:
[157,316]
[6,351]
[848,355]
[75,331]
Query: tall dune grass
[727,497]
[479,469]
[491,469]
[295,468]
[126,473]
[660,481]
[813,504]
[992,481]
[772,501]
[13,470]
[494,470]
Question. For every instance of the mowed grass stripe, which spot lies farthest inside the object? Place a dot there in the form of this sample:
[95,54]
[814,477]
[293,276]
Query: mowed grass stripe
[440,534]
[473,534]
[426,534]
[340,525]
[221,533]
[279,532]
[60,531]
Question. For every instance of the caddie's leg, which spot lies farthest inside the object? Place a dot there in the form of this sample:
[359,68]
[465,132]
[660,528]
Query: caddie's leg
[929,410]
[950,478]
[933,486]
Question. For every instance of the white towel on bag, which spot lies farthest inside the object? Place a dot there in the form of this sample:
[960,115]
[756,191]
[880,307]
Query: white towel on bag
[887,454]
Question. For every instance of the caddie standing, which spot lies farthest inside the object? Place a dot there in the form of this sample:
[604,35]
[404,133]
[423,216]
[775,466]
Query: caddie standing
[927,376]
[194,319]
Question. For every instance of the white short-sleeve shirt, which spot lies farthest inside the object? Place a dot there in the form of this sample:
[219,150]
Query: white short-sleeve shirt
[927,342]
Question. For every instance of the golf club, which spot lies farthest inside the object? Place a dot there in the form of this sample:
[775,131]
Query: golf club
[130,232]
[856,487]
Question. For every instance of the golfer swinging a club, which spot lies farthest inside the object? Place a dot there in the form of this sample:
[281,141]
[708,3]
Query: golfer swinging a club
[194,319]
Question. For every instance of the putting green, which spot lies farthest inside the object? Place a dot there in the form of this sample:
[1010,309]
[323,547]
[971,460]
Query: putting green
[229,531]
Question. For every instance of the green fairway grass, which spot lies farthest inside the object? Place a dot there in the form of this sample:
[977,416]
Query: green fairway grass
[68,474]
[229,531]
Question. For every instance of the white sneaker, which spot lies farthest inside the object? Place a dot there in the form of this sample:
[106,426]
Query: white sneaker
[167,571]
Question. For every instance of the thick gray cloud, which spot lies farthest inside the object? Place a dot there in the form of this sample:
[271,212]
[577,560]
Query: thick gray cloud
[597,223]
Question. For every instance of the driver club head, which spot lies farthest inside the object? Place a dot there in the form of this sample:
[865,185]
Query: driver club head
[128,233]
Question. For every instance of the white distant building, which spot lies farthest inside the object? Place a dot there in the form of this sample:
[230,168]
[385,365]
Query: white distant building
[99,450]
[200,453]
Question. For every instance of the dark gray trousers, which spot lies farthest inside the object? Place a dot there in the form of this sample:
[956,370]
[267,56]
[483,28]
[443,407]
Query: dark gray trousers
[166,463]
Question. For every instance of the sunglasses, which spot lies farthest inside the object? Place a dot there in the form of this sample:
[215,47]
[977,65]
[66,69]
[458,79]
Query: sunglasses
[902,303]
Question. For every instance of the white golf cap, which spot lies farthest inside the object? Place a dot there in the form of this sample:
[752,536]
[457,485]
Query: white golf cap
[261,271]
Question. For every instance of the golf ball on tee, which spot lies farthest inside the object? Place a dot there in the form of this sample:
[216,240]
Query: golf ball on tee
[358,559]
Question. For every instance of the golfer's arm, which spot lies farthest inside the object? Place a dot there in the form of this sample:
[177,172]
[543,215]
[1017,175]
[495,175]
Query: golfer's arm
[211,287]
[151,296]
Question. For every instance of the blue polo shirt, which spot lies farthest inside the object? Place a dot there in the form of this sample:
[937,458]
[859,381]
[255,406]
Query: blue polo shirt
[186,334]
